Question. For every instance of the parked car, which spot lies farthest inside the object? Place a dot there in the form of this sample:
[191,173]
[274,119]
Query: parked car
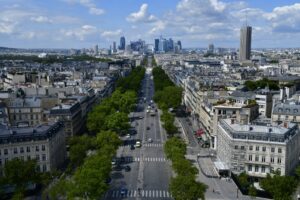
[132,147]
[127,168]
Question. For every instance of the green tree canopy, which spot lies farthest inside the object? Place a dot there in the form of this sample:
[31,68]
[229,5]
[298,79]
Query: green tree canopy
[117,122]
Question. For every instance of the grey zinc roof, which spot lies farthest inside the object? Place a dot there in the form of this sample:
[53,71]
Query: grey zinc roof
[287,109]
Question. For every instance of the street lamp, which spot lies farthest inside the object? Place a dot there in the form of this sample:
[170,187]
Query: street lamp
[237,192]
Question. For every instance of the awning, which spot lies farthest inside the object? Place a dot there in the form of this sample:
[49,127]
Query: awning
[221,166]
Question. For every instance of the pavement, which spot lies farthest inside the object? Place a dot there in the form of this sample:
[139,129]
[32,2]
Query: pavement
[150,170]
[218,188]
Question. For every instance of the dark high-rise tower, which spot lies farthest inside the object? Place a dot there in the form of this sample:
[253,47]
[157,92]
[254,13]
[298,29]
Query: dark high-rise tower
[245,43]
[156,45]
[122,43]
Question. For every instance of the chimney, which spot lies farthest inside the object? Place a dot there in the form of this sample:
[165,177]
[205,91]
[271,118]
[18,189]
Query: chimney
[282,94]
[232,121]
[270,130]
[250,128]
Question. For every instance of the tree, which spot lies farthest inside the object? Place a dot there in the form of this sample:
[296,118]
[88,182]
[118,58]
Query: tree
[185,187]
[79,145]
[243,180]
[117,122]
[108,141]
[184,167]
[252,192]
[175,148]
[280,187]
[20,173]
[89,180]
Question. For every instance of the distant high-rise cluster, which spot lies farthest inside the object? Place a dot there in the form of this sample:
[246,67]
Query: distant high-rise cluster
[166,45]
[245,43]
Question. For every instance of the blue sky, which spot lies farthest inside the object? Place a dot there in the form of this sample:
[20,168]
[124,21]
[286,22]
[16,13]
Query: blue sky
[84,23]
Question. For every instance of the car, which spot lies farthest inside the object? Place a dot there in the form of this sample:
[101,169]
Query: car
[127,168]
[122,159]
[123,191]
[138,144]
[148,128]
[141,117]
[114,161]
[150,140]
[117,167]
[128,135]
[132,147]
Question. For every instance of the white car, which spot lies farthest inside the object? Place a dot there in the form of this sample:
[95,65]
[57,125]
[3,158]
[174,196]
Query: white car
[128,135]
[150,140]
[138,144]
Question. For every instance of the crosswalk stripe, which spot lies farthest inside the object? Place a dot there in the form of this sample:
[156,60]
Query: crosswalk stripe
[164,194]
[150,193]
[134,194]
[142,193]
[146,193]
[168,194]
[113,194]
[160,194]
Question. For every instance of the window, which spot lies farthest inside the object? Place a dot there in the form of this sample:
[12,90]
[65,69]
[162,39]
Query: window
[21,149]
[242,168]
[43,148]
[272,159]
[28,158]
[224,112]
[250,148]
[22,157]
[44,157]
[27,149]
[242,156]
[5,151]
[263,148]
[219,111]
[279,150]
[37,148]
[44,168]
[257,148]
[38,168]
[37,157]
[250,157]
[263,159]
[256,158]
[256,168]
[250,168]
[272,149]
[242,147]
[15,150]
[263,169]
[236,147]
[0,162]
[278,160]
[0,152]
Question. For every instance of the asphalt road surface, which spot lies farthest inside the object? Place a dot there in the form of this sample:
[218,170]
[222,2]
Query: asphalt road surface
[150,171]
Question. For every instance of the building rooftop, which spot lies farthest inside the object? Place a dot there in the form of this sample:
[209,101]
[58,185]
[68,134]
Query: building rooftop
[269,133]
[23,134]
[289,108]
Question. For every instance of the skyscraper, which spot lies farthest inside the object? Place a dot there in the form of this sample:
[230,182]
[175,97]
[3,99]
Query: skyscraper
[114,47]
[211,48]
[96,49]
[156,45]
[122,43]
[245,43]
[179,45]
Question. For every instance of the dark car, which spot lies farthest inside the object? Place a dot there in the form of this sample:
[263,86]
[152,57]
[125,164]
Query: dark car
[127,168]
[132,147]
[148,128]
[123,191]
[122,159]
[118,168]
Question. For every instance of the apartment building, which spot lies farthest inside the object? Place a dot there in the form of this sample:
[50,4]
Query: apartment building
[45,143]
[286,111]
[258,150]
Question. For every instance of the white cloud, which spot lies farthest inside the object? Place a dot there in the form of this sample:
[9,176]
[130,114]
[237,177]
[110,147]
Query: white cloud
[93,9]
[142,15]
[7,27]
[41,19]
[80,33]
[111,33]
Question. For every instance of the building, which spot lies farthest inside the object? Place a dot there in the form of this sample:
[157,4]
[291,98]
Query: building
[70,115]
[25,111]
[211,48]
[287,111]
[243,113]
[245,43]
[96,51]
[114,47]
[156,45]
[45,143]
[258,150]
[122,43]
[179,45]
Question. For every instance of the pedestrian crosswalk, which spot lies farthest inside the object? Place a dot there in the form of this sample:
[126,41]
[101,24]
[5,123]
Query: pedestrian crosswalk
[153,145]
[135,193]
[145,159]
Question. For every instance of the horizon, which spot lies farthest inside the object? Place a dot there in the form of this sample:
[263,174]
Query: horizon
[65,24]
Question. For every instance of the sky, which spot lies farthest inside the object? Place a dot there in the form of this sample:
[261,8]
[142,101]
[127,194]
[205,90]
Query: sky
[197,23]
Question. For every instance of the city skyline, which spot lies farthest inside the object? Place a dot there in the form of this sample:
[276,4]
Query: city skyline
[197,23]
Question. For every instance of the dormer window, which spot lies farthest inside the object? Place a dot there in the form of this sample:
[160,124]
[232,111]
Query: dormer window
[295,110]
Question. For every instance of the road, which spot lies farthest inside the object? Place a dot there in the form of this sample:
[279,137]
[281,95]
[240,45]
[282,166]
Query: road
[150,171]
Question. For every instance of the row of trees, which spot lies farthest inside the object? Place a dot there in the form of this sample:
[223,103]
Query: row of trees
[184,185]
[253,85]
[90,156]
